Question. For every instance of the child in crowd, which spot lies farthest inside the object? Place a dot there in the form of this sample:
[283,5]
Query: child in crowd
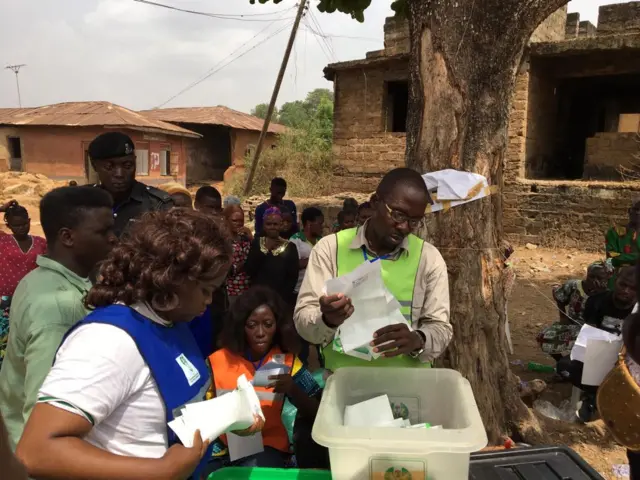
[606,311]
[346,219]
[18,254]
[123,371]
[557,340]
[364,212]
[259,330]
[289,224]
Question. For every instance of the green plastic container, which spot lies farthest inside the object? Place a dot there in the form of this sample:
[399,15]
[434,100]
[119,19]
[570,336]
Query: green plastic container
[242,473]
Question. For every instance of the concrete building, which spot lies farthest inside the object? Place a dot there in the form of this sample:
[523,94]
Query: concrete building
[226,138]
[53,140]
[573,138]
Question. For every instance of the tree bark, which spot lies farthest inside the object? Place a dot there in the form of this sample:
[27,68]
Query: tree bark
[465,55]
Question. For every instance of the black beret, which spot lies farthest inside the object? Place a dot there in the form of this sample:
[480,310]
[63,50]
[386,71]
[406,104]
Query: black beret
[110,145]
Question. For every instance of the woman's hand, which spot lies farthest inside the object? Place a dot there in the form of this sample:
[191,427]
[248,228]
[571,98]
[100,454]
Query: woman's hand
[5,206]
[283,384]
[258,425]
[182,461]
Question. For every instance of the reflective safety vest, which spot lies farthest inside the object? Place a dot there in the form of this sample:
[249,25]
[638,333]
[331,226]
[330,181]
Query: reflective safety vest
[227,367]
[172,355]
[399,277]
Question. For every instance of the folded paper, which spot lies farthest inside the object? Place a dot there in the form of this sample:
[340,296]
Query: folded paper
[226,413]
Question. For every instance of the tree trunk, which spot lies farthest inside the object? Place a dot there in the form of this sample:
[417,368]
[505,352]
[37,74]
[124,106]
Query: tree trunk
[465,55]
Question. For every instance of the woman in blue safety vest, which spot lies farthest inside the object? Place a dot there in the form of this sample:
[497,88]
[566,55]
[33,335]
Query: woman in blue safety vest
[126,370]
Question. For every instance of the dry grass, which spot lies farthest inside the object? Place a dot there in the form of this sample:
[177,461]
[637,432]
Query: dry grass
[300,158]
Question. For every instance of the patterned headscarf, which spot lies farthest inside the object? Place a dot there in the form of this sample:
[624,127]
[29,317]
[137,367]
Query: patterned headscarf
[600,265]
[275,211]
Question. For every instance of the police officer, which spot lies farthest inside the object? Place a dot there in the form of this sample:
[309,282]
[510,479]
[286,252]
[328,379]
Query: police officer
[113,157]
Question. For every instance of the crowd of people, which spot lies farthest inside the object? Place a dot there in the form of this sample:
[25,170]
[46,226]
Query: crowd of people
[140,300]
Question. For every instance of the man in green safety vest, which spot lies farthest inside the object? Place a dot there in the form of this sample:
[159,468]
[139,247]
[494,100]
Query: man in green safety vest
[412,270]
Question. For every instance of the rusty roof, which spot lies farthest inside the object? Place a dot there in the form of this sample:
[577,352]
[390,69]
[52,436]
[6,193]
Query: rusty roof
[89,114]
[373,61]
[219,115]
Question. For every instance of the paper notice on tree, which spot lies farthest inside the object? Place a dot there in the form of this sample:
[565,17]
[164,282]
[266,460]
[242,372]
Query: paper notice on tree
[374,308]
[599,359]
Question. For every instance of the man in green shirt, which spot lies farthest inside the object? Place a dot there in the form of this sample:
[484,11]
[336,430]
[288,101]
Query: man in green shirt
[78,226]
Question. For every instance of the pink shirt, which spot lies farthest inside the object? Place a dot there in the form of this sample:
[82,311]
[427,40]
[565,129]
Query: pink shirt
[14,263]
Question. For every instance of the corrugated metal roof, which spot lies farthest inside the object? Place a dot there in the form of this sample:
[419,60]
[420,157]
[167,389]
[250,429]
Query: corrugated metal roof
[88,114]
[219,115]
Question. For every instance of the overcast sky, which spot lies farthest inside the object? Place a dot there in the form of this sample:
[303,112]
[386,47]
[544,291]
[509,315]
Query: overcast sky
[139,56]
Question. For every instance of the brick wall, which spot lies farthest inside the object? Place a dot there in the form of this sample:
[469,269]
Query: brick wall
[362,150]
[5,154]
[608,151]
[572,25]
[587,29]
[571,214]
[619,18]
[396,36]
[59,152]
[553,28]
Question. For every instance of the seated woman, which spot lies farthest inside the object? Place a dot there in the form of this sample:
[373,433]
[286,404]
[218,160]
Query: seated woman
[607,312]
[122,371]
[258,330]
[557,339]
[273,261]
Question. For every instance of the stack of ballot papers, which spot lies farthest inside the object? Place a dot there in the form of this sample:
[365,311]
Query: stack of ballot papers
[598,350]
[377,412]
[374,305]
[276,366]
[229,412]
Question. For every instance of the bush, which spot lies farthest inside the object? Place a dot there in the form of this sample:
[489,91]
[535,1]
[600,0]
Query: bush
[302,157]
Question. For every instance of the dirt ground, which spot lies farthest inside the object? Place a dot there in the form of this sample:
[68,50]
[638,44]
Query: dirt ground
[530,308]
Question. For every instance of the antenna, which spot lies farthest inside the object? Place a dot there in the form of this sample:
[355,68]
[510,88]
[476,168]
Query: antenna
[16,70]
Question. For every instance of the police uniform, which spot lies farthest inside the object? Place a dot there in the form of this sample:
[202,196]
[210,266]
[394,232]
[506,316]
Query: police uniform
[142,198]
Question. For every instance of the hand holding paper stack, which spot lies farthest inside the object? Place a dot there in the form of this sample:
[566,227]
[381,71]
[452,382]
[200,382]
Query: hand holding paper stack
[230,412]
[375,307]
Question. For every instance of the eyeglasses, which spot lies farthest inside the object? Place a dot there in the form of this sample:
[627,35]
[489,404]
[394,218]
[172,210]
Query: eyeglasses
[399,217]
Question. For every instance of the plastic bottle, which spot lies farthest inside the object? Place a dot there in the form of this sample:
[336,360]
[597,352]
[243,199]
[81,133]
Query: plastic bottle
[538,367]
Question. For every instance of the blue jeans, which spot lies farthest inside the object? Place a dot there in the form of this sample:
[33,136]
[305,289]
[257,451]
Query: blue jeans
[270,458]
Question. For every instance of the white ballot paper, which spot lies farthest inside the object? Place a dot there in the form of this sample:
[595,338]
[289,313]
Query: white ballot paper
[599,359]
[228,412]
[370,413]
[587,332]
[269,369]
[374,308]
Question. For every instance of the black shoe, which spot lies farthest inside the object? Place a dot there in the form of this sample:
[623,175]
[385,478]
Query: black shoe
[587,409]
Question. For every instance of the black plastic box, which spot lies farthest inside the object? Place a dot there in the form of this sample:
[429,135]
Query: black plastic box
[536,463]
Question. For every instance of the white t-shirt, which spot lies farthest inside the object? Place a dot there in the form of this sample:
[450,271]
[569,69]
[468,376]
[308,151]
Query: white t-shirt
[304,251]
[100,374]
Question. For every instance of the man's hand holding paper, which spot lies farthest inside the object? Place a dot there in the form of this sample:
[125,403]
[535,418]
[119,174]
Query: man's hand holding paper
[335,309]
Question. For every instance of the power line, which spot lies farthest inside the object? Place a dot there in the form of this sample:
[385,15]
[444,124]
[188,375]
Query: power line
[222,16]
[215,69]
[322,45]
[322,35]
[329,35]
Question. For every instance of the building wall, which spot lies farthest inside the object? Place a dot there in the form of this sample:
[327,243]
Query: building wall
[59,152]
[619,18]
[362,150]
[607,152]
[210,156]
[5,154]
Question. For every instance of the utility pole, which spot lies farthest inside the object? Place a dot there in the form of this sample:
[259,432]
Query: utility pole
[16,70]
[274,97]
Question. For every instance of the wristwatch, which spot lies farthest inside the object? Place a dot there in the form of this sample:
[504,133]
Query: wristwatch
[423,341]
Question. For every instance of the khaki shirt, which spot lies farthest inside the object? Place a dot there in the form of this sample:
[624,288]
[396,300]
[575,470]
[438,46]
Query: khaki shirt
[430,294]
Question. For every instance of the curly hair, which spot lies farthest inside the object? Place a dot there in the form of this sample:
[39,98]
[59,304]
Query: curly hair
[161,251]
[233,335]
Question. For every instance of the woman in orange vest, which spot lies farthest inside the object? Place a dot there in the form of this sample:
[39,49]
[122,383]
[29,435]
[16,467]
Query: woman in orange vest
[258,331]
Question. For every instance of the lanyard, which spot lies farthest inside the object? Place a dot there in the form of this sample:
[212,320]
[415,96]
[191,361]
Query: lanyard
[257,365]
[366,257]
